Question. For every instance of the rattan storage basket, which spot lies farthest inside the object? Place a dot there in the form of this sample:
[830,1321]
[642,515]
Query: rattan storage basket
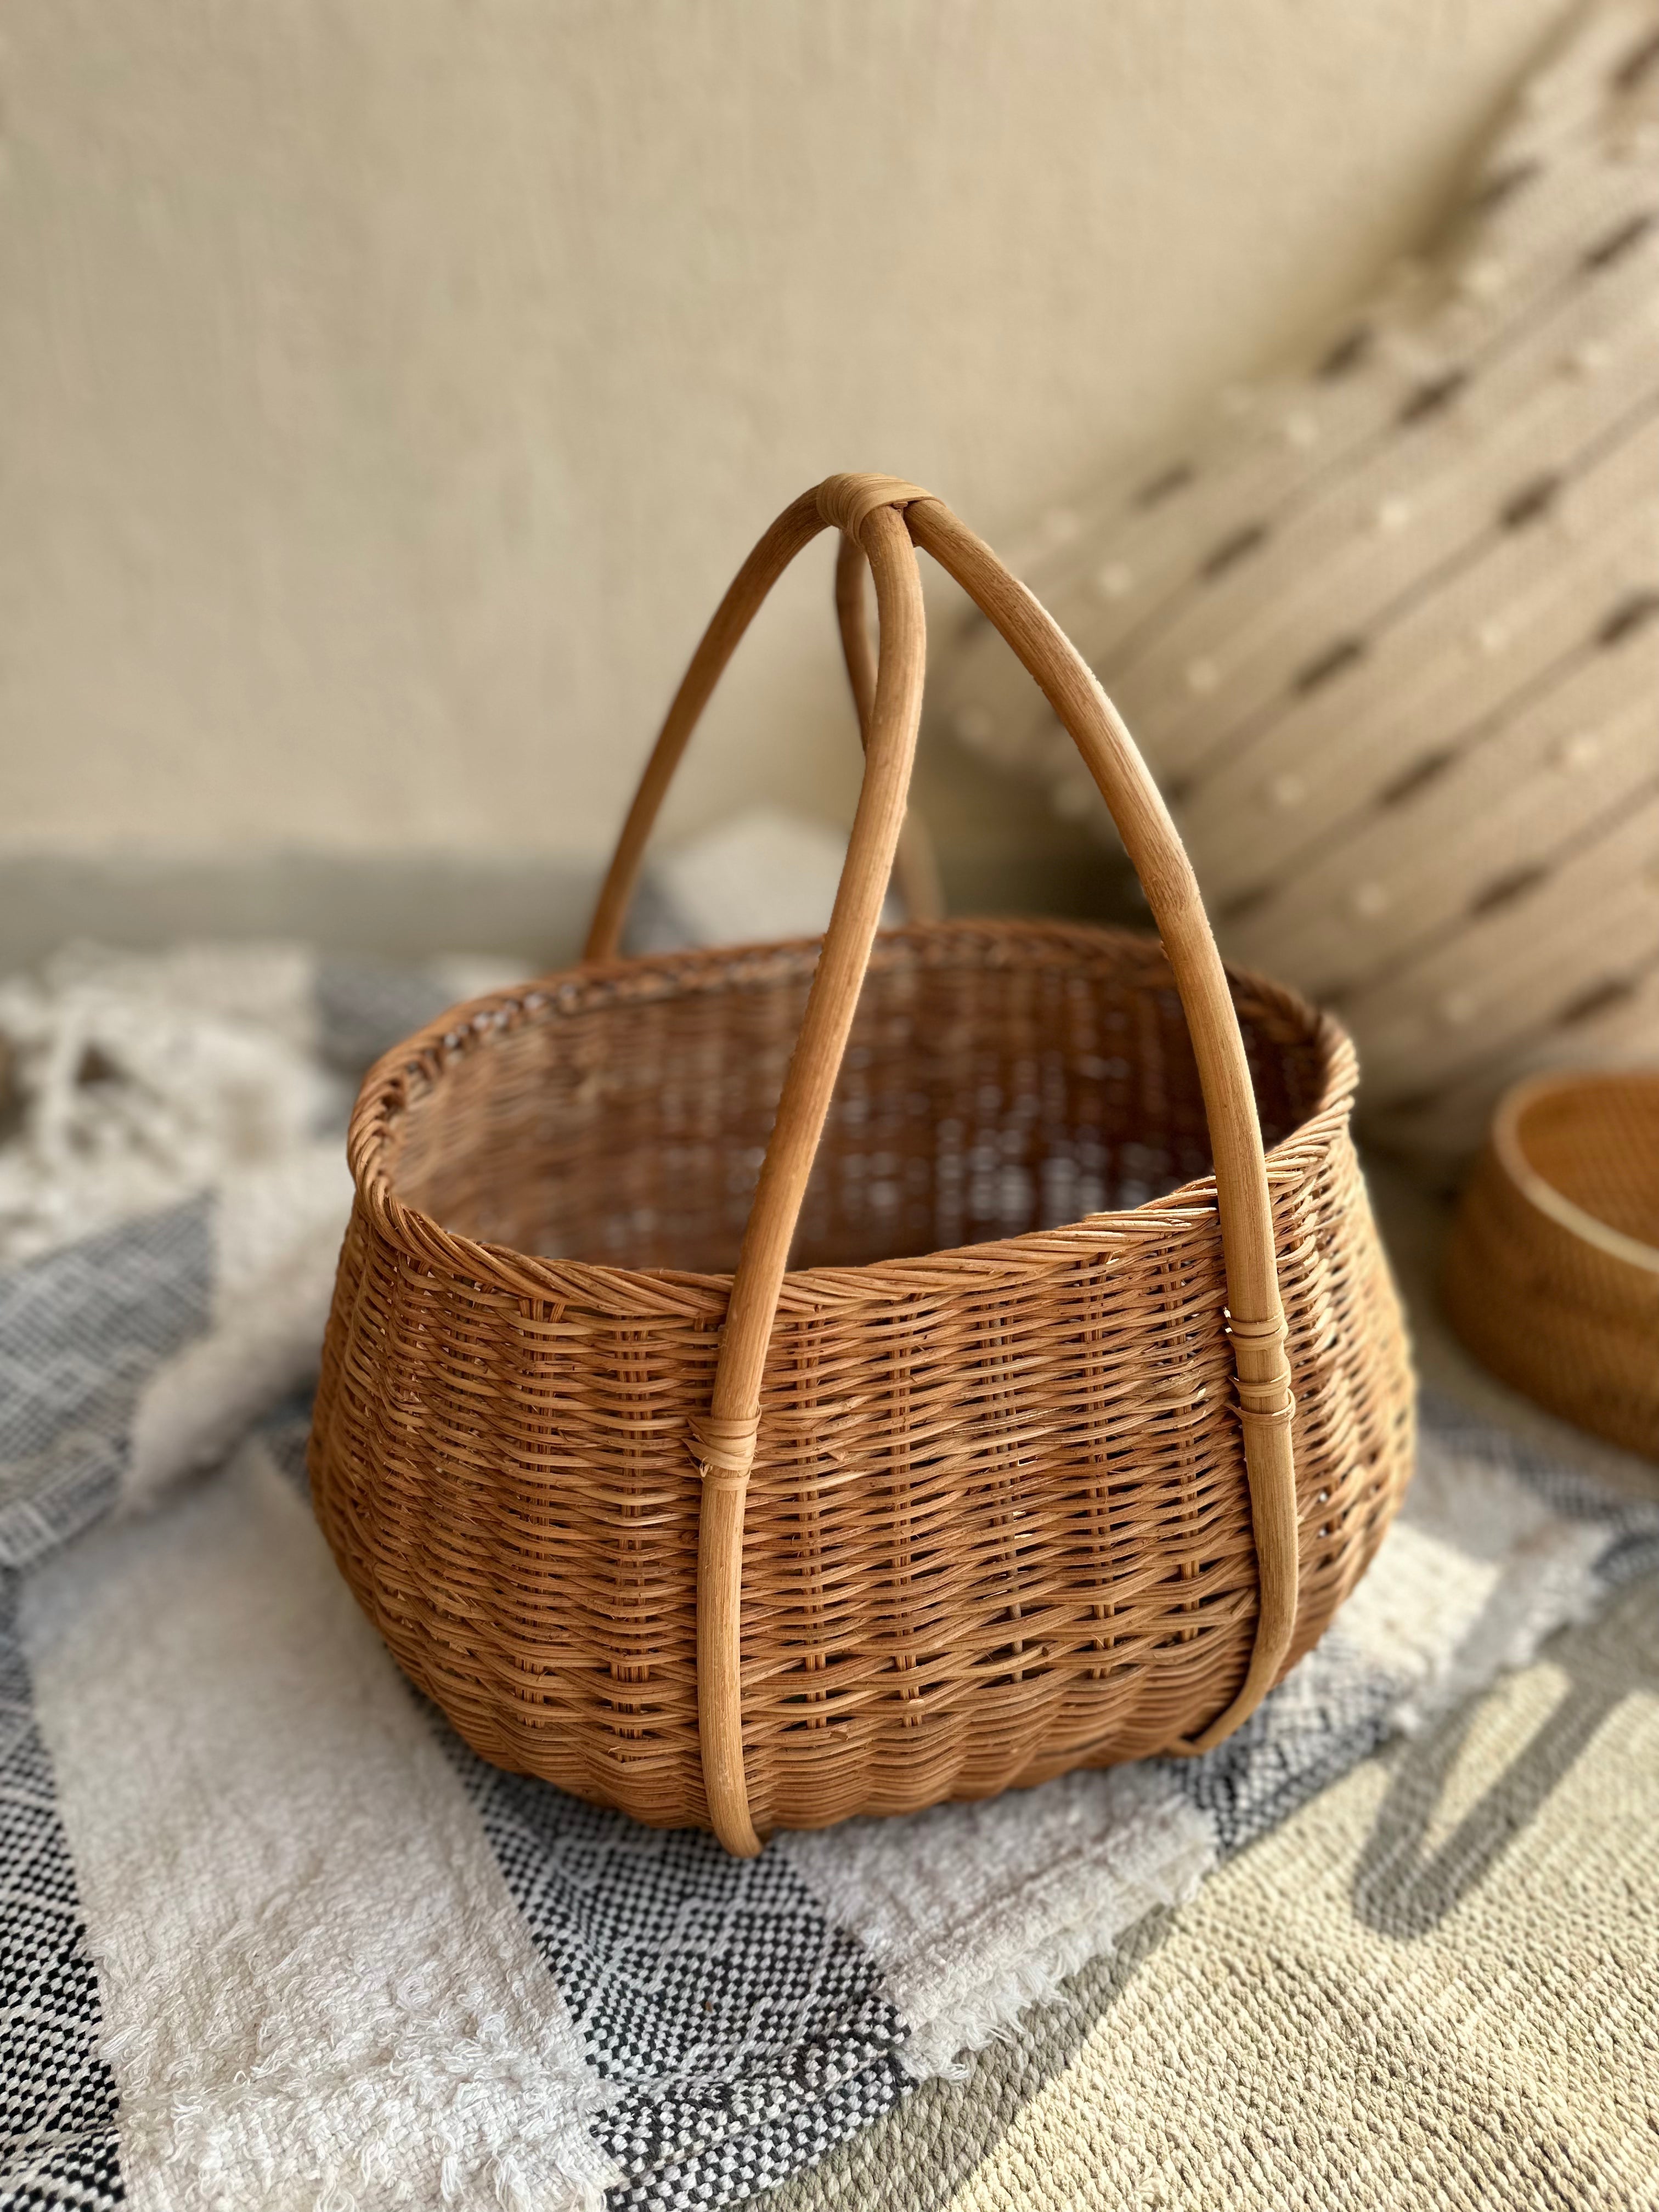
[1552,1274]
[1016,1469]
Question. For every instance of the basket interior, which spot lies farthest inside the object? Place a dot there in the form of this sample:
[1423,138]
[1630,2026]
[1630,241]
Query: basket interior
[1597,1143]
[996,1081]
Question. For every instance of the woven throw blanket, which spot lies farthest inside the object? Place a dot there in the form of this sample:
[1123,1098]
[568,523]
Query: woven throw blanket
[1436,1985]
[275,1937]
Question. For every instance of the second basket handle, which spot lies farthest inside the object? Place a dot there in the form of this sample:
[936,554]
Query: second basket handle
[915,864]
[885,516]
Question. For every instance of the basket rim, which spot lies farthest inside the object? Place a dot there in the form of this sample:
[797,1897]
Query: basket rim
[425,1056]
[1536,1189]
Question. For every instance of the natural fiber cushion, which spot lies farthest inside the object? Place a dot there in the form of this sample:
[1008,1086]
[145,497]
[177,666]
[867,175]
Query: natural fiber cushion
[1388,627]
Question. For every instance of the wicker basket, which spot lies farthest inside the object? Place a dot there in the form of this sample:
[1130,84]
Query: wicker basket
[727,1544]
[1552,1274]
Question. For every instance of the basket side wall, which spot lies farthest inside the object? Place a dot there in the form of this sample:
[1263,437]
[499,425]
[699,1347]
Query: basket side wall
[998,1525]
[1571,1326]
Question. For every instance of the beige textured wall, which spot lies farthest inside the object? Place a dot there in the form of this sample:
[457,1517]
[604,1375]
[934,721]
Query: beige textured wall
[390,386]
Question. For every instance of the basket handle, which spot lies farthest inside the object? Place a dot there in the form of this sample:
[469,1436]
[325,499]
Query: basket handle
[916,864]
[885,516]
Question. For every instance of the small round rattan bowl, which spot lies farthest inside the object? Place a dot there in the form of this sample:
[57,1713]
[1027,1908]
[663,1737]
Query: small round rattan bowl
[1017,1469]
[1552,1274]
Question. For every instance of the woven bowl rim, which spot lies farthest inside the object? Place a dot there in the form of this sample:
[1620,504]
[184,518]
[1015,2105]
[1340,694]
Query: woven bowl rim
[1536,1190]
[428,1054]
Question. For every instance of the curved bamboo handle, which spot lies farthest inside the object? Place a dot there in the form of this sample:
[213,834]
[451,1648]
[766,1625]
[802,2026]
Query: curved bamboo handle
[1255,1314]
[882,515]
[727,1433]
[795,528]
[798,526]
[916,869]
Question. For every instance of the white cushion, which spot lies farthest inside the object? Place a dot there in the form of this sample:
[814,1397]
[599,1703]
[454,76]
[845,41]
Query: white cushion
[1386,628]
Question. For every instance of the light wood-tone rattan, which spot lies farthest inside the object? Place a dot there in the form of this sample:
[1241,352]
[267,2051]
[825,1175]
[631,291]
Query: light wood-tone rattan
[1001,1479]
[1552,1274]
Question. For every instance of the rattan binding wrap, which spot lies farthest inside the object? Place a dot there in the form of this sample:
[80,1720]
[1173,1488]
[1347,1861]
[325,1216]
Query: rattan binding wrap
[965,1499]
[1552,1274]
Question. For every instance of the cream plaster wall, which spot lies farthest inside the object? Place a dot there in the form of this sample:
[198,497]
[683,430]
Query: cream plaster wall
[389,387]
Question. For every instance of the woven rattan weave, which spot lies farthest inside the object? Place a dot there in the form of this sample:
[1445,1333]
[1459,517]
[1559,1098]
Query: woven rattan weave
[1001,1477]
[1553,1266]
